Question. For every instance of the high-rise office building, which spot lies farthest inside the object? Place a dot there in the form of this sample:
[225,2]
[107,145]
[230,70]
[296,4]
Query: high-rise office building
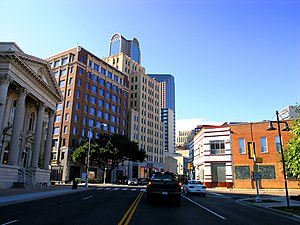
[94,93]
[146,127]
[130,48]
[167,90]
[167,105]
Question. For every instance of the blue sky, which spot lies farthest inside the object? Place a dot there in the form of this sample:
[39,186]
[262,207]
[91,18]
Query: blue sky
[233,60]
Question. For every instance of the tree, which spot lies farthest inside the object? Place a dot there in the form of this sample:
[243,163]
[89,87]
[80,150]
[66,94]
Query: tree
[292,151]
[109,150]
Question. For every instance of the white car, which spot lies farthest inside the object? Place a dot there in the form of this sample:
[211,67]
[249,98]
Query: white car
[194,186]
[133,181]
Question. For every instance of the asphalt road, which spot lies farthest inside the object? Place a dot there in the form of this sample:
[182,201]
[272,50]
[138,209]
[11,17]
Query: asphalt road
[110,206]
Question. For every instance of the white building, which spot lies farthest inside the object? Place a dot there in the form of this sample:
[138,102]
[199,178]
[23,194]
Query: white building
[213,156]
[28,98]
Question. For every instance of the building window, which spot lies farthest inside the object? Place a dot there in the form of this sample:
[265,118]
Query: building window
[99,113]
[79,82]
[72,69]
[107,105]
[96,67]
[77,105]
[78,94]
[74,130]
[108,85]
[107,95]
[94,89]
[217,147]
[81,59]
[91,122]
[67,116]
[100,102]
[57,118]
[101,92]
[116,78]
[85,108]
[242,149]
[92,111]
[80,71]
[63,72]
[71,81]
[90,63]
[76,118]
[93,99]
[268,172]
[109,74]
[277,141]
[242,172]
[69,92]
[64,61]
[89,75]
[263,145]
[103,71]
[56,64]
[62,83]
[65,129]
[68,104]
[102,82]
[106,116]
[56,130]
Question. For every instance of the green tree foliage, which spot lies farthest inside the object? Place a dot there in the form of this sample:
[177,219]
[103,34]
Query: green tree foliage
[292,153]
[109,150]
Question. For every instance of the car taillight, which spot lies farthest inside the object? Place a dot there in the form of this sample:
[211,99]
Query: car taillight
[149,183]
[180,184]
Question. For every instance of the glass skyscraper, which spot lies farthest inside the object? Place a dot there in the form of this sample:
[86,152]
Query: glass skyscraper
[130,48]
[168,89]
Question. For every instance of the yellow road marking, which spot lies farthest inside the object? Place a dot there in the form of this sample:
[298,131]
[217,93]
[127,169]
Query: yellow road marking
[127,217]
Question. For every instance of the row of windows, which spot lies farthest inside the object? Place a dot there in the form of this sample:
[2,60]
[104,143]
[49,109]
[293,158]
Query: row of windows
[103,71]
[263,145]
[111,128]
[268,172]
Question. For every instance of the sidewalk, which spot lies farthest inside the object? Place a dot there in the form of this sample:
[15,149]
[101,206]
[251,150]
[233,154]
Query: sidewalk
[17,195]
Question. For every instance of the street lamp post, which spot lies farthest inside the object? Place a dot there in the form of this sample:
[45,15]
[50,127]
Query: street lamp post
[89,151]
[281,150]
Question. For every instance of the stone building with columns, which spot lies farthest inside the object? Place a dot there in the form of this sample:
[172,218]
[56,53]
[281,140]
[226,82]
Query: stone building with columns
[28,98]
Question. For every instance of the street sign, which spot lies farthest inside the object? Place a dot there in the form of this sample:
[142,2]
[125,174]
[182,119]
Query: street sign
[256,175]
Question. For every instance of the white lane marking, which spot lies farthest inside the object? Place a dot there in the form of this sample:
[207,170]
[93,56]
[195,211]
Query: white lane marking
[219,195]
[106,189]
[143,190]
[203,207]
[10,222]
[114,189]
[124,189]
[100,188]
[88,197]
[134,189]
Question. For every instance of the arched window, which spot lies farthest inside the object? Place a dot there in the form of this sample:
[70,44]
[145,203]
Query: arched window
[13,111]
[31,121]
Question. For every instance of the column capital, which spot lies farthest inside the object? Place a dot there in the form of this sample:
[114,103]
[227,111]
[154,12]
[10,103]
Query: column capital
[22,91]
[5,79]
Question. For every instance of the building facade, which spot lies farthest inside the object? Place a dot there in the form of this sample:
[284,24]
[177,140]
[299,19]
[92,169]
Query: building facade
[167,105]
[130,48]
[213,156]
[28,98]
[94,93]
[144,98]
[267,147]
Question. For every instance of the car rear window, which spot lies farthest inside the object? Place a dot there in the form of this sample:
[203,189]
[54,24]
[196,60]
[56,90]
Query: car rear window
[163,176]
[195,182]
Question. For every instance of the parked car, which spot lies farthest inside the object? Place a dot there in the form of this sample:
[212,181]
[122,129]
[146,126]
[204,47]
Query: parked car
[133,181]
[195,187]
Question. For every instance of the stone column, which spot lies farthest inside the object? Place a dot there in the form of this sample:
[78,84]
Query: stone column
[38,136]
[48,147]
[17,128]
[5,80]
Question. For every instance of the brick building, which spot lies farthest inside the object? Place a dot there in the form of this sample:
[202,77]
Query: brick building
[267,147]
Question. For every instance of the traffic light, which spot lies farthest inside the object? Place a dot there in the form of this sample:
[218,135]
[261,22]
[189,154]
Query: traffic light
[189,166]
[251,150]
